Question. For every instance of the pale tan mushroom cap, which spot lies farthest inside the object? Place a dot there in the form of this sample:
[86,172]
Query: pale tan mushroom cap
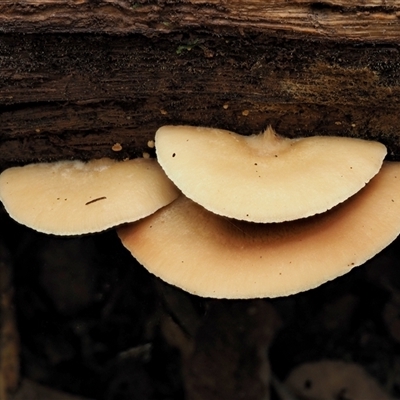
[265,178]
[328,379]
[73,197]
[213,256]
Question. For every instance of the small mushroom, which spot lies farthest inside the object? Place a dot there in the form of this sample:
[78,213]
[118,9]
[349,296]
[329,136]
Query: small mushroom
[334,379]
[213,256]
[265,178]
[73,197]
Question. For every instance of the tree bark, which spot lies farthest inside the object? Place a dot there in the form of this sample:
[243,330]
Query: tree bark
[360,20]
[73,91]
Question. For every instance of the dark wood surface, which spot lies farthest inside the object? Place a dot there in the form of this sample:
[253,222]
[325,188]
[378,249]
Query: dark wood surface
[76,77]
[358,20]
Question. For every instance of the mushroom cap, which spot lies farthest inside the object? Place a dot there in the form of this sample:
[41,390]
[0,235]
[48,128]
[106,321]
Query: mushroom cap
[325,379]
[73,197]
[265,178]
[213,256]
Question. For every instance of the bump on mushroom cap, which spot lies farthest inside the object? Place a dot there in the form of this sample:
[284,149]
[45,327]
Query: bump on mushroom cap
[265,178]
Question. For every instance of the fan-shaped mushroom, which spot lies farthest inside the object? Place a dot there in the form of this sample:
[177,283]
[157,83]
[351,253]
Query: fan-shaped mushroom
[265,178]
[213,256]
[73,197]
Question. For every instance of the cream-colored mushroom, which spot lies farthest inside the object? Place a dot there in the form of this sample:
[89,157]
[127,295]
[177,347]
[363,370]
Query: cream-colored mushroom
[73,197]
[334,379]
[265,178]
[213,256]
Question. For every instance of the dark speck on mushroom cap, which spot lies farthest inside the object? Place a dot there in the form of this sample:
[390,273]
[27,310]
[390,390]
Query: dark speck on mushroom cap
[94,196]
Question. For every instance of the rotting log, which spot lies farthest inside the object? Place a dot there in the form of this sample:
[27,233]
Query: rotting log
[78,76]
[369,20]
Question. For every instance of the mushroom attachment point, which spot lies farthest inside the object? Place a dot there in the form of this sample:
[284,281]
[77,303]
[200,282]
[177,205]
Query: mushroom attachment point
[266,177]
[73,197]
[213,256]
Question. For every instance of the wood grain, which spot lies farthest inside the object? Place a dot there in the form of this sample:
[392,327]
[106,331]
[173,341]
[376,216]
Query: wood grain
[367,21]
[78,76]
[75,96]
